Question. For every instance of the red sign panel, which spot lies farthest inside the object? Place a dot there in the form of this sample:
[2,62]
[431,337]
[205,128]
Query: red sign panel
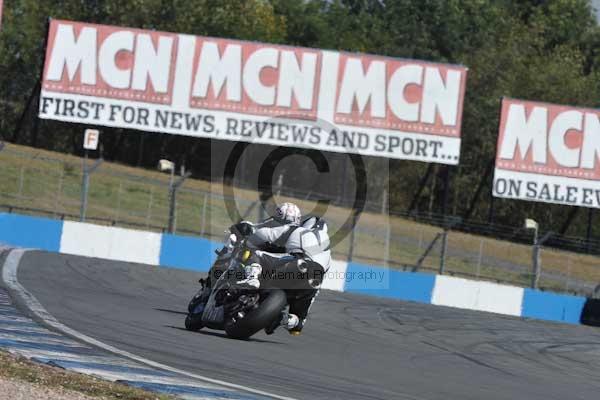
[236,90]
[548,153]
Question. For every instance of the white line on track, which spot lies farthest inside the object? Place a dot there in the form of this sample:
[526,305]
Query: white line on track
[9,277]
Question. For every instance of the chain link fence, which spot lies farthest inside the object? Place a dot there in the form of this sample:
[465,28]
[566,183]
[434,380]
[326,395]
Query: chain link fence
[43,183]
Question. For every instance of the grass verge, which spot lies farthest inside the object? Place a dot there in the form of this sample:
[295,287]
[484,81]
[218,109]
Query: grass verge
[23,370]
[137,197]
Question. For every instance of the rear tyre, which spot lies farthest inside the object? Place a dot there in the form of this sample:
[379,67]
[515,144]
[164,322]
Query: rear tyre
[193,322]
[263,316]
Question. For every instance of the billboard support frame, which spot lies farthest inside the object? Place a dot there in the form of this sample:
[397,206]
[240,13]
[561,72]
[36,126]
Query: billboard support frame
[482,183]
[32,96]
[422,183]
[447,223]
[174,186]
[588,232]
[446,197]
[491,209]
[570,217]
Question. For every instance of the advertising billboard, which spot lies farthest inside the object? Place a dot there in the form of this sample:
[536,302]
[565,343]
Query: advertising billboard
[548,153]
[248,91]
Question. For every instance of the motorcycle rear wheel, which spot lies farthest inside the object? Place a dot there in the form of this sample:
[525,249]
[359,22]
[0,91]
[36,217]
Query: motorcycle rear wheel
[259,318]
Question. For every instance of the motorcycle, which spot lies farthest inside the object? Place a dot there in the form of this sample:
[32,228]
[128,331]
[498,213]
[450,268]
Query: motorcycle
[224,303]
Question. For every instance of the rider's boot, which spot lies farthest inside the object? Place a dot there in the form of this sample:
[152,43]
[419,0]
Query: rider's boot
[290,322]
[295,325]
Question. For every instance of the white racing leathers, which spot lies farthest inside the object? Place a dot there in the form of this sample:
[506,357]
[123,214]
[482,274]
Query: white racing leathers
[311,240]
[279,244]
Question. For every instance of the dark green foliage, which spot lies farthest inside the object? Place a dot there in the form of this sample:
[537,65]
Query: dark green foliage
[540,50]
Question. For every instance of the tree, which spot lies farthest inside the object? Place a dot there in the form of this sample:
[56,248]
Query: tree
[540,50]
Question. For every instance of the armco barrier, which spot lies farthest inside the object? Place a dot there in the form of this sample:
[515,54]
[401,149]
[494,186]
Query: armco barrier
[198,254]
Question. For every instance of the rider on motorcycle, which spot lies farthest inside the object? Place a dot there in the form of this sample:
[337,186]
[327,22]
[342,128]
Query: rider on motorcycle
[278,240]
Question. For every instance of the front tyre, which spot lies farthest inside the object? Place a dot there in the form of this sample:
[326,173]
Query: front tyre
[194,303]
[193,322]
[263,316]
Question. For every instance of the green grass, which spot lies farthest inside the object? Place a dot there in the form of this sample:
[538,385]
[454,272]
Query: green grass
[50,181]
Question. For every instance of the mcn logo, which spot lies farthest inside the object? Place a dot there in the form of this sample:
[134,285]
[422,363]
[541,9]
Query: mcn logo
[549,137]
[210,87]
[548,153]
[260,78]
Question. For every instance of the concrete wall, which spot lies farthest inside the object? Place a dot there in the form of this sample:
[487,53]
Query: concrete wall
[198,254]
[25,231]
[187,252]
[477,295]
[110,242]
[552,306]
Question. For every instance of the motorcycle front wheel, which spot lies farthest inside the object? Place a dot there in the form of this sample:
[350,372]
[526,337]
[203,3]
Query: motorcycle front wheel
[193,322]
[266,313]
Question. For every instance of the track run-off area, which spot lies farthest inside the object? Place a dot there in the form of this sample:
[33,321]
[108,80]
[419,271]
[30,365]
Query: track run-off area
[354,347]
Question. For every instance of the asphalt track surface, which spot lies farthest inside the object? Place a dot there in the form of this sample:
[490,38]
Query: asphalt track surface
[354,347]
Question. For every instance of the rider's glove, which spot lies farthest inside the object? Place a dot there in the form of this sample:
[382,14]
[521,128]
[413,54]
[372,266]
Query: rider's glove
[242,229]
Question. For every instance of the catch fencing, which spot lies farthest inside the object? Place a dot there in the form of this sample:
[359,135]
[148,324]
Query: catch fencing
[44,183]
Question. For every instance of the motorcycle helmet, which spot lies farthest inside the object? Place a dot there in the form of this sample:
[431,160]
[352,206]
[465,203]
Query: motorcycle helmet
[288,213]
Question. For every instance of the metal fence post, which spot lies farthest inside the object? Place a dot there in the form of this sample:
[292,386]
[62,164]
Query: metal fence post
[149,210]
[537,262]
[567,284]
[479,258]
[388,228]
[426,252]
[173,188]
[352,236]
[172,205]
[119,194]
[351,245]
[85,184]
[263,198]
[59,190]
[535,279]
[386,251]
[203,224]
[443,251]
[84,188]
[21,179]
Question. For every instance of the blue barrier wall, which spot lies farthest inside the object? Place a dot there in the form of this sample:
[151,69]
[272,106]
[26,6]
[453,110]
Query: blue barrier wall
[384,282]
[552,306]
[198,254]
[187,252]
[33,232]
